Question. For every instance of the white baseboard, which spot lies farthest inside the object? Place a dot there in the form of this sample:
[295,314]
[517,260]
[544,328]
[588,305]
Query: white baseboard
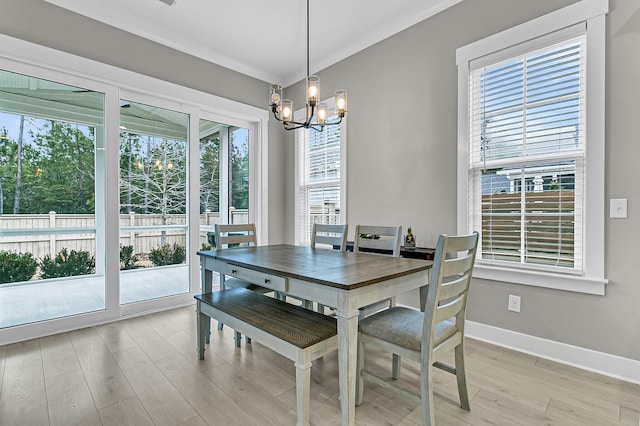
[598,362]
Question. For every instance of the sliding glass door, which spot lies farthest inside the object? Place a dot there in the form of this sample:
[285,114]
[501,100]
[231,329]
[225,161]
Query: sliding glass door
[153,202]
[51,199]
[109,185]
[224,177]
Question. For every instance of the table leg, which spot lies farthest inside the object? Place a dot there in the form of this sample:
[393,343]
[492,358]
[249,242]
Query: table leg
[202,319]
[347,351]
[207,285]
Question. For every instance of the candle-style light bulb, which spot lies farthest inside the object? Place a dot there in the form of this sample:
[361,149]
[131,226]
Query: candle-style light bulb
[341,102]
[313,90]
[322,113]
[287,110]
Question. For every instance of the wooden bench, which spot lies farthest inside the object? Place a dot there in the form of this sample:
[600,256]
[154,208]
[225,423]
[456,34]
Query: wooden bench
[299,334]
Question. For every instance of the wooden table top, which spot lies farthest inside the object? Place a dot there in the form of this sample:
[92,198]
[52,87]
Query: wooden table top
[327,267]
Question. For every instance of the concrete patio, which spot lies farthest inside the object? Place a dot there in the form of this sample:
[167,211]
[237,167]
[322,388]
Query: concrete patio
[47,299]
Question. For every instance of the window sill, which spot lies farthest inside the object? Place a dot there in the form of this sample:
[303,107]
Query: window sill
[579,284]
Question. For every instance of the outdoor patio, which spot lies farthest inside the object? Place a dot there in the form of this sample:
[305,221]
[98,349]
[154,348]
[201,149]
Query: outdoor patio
[48,299]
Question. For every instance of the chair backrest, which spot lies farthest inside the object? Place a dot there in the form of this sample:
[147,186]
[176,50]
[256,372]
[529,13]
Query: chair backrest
[448,289]
[333,235]
[235,235]
[378,238]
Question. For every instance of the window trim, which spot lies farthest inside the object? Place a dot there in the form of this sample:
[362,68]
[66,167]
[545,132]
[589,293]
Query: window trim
[591,12]
[299,115]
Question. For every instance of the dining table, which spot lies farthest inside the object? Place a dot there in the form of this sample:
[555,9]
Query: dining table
[345,281]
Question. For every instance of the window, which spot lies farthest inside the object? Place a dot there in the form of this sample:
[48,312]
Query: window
[527,133]
[320,178]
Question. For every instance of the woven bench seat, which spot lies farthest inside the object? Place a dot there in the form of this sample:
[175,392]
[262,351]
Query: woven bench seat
[299,334]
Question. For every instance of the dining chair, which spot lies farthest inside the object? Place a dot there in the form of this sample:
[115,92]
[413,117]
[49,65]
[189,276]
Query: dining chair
[377,239]
[330,236]
[425,337]
[233,236]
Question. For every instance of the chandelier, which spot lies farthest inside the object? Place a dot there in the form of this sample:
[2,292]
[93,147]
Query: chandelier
[316,112]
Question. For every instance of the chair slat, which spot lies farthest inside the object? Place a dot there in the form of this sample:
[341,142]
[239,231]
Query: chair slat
[454,287]
[449,310]
[456,266]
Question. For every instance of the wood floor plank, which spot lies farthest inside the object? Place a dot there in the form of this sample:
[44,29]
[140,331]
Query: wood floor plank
[630,416]
[129,412]
[194,421]
[160,398]
[594,384]
[513,410]
[263,407]
[582,416]
[106,382]
[115,337]
[58,355]
[148,339]
[69,401]
[23,398]
[3,353]
[547,385]
[210,402]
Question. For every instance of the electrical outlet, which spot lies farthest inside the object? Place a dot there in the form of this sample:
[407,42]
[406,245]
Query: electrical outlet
[514,303]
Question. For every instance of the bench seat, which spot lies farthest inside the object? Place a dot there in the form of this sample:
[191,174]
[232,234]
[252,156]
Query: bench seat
[299,334]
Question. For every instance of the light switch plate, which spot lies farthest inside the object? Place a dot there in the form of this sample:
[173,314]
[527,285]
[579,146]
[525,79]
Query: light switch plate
[618,208]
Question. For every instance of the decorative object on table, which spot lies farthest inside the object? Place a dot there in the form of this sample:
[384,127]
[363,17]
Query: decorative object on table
[409,240]
[370,236]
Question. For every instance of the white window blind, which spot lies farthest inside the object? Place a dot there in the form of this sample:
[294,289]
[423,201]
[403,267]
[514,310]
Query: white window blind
[526,150]
[319,179]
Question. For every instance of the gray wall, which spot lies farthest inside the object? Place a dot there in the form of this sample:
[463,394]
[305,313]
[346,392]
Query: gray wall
[402,143]
[402,161]
[48,25]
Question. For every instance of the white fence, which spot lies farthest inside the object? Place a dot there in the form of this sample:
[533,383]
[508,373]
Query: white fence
[42,234]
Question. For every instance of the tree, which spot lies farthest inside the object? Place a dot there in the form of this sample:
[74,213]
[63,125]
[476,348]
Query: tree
[157,182]
[210,173]
[239,185]
[16,197]
[66,173]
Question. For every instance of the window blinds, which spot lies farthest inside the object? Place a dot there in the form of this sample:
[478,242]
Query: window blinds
[527,126]
[318,179]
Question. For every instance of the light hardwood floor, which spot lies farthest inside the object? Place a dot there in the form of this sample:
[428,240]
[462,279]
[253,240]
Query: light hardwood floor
[144,371]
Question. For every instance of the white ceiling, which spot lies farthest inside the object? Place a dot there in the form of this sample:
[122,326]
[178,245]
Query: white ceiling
[260,38]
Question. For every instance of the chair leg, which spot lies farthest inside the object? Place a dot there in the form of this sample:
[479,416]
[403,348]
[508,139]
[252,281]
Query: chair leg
[462,378]
[237,338]
[360,372]
[395,369]
[247,339]
[426,392]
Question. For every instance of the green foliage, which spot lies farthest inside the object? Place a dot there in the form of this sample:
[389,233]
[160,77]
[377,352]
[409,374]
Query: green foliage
[207,246]
[15,267]
[127,258]
[239,169]
[168,255]
[57,168]
[67,264]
